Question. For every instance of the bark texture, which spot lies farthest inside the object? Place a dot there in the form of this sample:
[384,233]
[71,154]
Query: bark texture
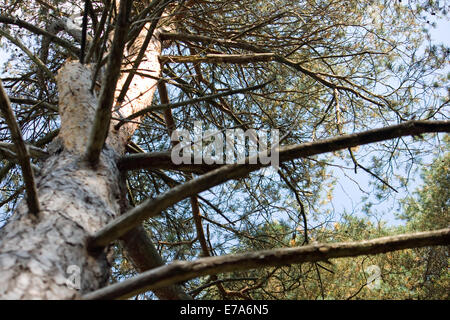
[45,257]
[36,254]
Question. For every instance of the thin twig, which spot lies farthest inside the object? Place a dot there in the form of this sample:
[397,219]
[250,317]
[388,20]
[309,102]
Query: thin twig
[22,152]
[33,57]
[154,207]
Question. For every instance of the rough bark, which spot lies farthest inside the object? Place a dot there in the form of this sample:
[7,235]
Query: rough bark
[141,90]
[153,207]
[41,257]
[38,254]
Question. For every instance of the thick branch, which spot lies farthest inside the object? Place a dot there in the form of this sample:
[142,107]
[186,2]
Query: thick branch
[41,142]
[184,270]
[35,152]
[220,58]
[141,250]
[102,118]
[161,160]
[21,150]
[153,207]
[141,55]
[34,103]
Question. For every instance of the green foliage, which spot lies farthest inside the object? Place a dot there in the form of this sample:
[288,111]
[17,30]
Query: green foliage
[428,209]
[406,274]
[364,64]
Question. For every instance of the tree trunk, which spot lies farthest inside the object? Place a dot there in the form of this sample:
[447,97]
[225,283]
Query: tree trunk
[45,256]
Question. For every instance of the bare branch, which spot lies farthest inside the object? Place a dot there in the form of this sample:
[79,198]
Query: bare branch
[142,252]
[84,30]
[102,118]
[34,103]
[190,102]
[35,152]
[22,151]
[186,270]
[220,58]
[45,4]
[41,142]
[153,207]
[161,160]
[30,27]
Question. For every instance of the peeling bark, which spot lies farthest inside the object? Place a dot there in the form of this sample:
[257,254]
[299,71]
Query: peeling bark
[143,254]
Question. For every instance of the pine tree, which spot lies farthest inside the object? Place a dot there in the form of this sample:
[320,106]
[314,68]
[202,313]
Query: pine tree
[86,149]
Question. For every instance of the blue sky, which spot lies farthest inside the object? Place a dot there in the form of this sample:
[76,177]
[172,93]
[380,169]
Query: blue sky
[347,194]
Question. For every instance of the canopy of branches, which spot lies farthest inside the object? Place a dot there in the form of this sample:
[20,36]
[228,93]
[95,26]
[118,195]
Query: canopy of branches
[322,69]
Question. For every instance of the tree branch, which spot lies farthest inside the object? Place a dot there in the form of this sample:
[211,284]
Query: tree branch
[276,57]
[34,152]
[34,58]
[189,102]
[142,252]
[98,31]
[153,207]
[141,20]
[161,160]
[220,58]
[37,30]
[34,103]
[102,118]
[22,151]
[186,270]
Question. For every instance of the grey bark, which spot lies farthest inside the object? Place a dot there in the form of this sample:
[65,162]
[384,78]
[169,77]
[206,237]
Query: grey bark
[37,254]
[45,257]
